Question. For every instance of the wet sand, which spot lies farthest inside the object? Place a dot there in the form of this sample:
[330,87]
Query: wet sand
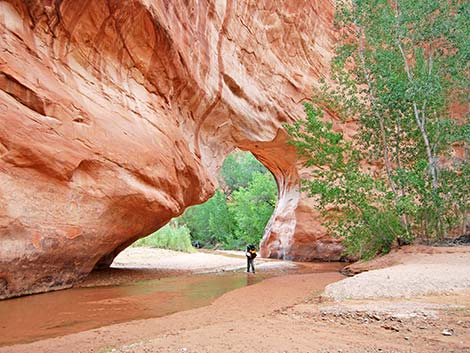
[286,314]
[36,317]
[243,309]
[139,264]
[140,292]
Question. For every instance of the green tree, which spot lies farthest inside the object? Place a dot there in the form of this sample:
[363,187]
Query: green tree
[251,208]
[172,236]
[210,223]
[238,170]
[357,205]
[238,215]
[399,68]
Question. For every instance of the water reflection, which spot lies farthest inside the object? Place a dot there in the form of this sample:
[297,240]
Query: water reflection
[39,316]
[63,312]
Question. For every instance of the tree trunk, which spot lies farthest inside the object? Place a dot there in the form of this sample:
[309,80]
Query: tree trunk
[376,111]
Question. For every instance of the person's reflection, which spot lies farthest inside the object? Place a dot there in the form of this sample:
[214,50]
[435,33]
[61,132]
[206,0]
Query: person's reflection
[251,280]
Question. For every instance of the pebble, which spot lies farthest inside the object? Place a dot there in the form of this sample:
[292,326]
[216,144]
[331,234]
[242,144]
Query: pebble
[391,328]
[447,332]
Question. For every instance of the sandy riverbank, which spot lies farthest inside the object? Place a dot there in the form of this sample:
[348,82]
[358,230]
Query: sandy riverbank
[408,272]
[290,314]
[199,261]
[139,264]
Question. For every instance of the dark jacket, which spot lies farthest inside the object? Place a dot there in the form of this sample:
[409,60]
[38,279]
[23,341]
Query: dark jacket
[250,251]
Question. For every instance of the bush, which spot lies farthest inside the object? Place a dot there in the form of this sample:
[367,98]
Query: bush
[372,234]
[171,236]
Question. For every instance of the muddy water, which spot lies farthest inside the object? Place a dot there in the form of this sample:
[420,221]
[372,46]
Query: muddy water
[36,317]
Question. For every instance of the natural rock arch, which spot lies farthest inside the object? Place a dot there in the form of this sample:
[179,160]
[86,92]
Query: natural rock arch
[116,116]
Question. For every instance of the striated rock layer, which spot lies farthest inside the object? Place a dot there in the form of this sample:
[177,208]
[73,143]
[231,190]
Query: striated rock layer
[117,114]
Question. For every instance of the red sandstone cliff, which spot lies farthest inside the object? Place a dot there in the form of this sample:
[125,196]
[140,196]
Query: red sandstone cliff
[117,114]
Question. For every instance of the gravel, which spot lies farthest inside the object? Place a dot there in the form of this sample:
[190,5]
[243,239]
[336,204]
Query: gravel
[398,310]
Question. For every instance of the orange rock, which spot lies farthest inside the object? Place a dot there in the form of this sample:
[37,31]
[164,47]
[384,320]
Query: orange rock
[116,116]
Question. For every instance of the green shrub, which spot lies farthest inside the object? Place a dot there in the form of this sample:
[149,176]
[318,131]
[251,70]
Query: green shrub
[171,236]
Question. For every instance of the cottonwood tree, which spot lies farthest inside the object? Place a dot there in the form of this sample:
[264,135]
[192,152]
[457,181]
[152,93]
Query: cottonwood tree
[401,68]
[236,216]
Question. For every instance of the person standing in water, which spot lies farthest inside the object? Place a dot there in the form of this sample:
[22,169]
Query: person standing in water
[250,257]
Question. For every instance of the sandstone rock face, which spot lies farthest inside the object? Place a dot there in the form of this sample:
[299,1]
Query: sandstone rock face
[117,114]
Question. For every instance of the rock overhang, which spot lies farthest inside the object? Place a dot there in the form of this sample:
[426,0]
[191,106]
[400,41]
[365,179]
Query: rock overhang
[120,113]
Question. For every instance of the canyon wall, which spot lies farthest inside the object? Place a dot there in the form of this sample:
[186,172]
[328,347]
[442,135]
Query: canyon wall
[116,115]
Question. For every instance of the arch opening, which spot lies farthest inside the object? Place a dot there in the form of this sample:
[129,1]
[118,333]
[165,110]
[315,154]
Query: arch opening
[235,216]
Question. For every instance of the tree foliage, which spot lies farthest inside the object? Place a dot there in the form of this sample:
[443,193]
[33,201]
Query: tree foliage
[400,69]
[210,223]
[238,170]
[251,208]
[237,214]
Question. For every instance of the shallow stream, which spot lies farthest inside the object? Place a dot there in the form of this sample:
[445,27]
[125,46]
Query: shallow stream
[40,316]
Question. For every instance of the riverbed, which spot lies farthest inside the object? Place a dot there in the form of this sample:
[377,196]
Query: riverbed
[134,289]
[290,313]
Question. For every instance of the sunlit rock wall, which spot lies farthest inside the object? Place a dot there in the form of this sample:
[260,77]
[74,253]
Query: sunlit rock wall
[115,115]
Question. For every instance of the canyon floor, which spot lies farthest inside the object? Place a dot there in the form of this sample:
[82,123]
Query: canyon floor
[416,299]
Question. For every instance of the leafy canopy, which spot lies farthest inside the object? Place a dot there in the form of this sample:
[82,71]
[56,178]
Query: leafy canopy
[238,213]
[400,69]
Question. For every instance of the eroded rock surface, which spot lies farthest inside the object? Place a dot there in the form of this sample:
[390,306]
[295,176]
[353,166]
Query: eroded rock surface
[116,116]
